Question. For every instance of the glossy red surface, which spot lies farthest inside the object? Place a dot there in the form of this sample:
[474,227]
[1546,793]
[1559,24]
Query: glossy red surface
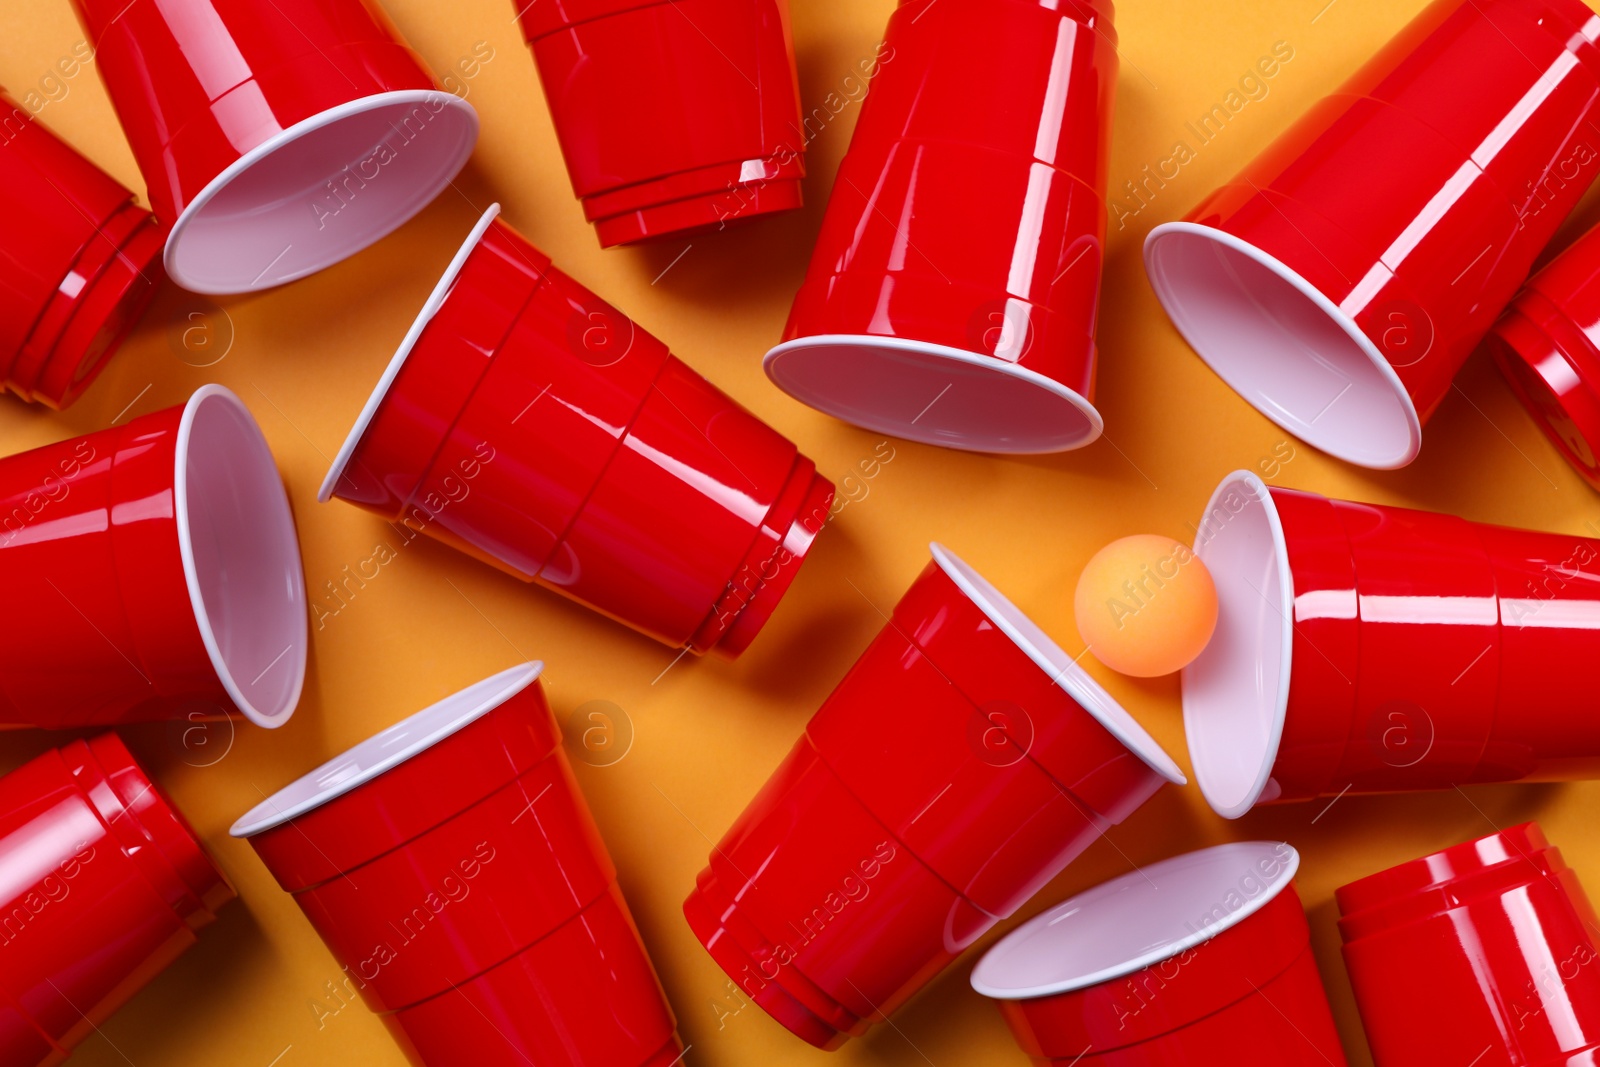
[1483,952]
[89,539]
[105,885]
[79,261]
[1416,196]
[1430,651]
[1548,345]
[535,427]
[468,896]
[970,210]
[1251,994]
[674,117]
[872,858]
[196,85]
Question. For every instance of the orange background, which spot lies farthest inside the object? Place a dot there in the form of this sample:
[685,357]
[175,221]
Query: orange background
[707,733]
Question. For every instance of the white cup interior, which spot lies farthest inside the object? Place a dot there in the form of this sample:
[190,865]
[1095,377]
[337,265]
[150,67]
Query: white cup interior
[241,558]
[320,191]
[1054,661]
[387,749]
[1136,920]
[1236,693]
[1282,345]
[933,394]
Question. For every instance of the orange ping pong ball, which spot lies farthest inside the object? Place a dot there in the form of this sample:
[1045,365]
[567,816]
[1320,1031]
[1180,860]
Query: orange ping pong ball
[1146,605]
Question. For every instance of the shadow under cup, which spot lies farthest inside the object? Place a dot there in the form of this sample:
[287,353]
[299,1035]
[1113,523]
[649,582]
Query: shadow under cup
[451,865]
[962,763]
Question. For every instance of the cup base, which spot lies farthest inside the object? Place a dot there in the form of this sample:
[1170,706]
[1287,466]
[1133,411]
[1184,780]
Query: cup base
[1282,345]
[705,213]
[771,997]
[933,394]
[780,549]
[1549,377]
[118,271]
[319,192]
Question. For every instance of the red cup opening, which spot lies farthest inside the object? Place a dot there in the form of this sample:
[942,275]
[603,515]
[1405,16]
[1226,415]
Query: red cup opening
[320,191]
[241,558]
[933,394]
[1136,920]
[1235,694]
[386,750]
[1282,345]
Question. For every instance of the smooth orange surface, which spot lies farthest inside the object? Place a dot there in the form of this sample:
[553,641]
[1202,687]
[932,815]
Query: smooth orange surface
[698,737]
[1145,605]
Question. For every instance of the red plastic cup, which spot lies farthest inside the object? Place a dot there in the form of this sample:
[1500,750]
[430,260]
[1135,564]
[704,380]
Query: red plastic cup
[1341,279]
[79,262]
[276,139]
[954,288]
[1546,346]
[453,868]
[1483,953]
[675,117]
[532,425]
[963,762]
[1370,649]
[104,885]
[158,564]
[1202,960]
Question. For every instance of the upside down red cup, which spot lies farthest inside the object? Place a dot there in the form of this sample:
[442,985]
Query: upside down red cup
[963,762]
[1203,959]
[1545,345]
[1483,953]
[160,568]
[530,424]
[1339,281]
[454,870]
[954,288]
[276,139]
[104,886]
[674,116]
[79,262]
[1378,649]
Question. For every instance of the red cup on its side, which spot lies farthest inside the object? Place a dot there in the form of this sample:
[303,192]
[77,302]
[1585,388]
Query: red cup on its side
[1203,959]
[963,762]
[160,570]
[1487,953]
[530,424]
[1546,345]
[276,139]
[1342,278]
[79,262]
[954,288]
[1371,649]
[675,117]
[454,870]
[105,885]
